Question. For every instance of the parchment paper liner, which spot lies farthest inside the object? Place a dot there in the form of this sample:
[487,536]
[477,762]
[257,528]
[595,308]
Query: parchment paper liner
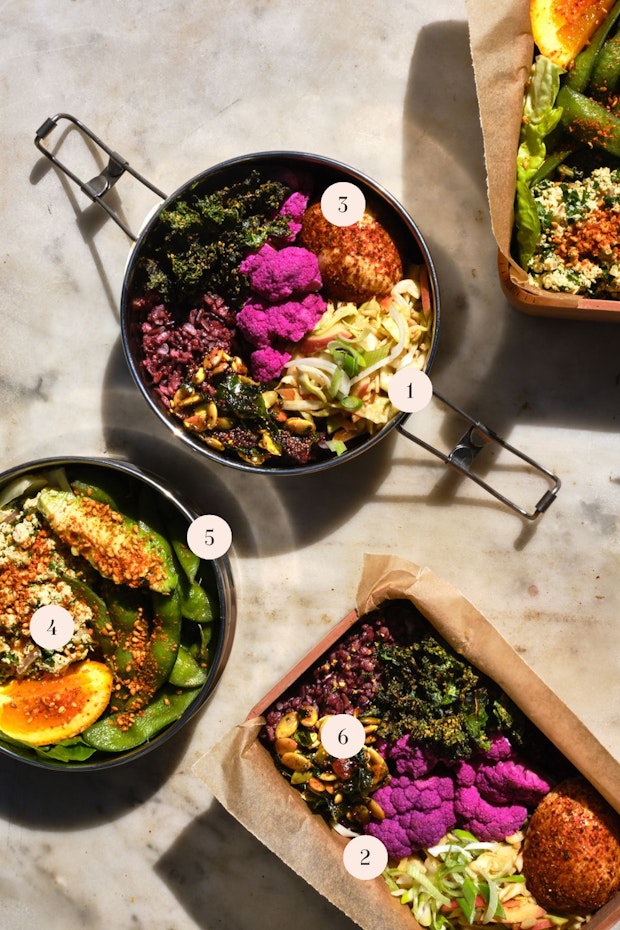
[242,776]
[502,51]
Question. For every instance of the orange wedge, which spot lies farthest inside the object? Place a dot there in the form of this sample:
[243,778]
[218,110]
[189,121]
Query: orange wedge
[55,707]
[561,28]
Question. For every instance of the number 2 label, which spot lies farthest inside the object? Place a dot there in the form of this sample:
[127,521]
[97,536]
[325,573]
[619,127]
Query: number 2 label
[365,857]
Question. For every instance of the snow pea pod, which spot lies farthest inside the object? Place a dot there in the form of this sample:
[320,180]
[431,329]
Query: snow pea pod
[589,121]
[169,705]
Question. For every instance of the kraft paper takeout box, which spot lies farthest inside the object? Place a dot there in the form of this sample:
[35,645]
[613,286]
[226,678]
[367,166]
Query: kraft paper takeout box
[502,52]
[241,774]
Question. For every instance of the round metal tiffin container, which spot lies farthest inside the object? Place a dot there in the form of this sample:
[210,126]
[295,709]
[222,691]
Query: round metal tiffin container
[317,173]
[261,424]
[113,632]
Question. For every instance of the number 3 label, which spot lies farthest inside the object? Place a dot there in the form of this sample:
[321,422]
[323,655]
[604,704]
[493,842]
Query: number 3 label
[365,857]
[343,203]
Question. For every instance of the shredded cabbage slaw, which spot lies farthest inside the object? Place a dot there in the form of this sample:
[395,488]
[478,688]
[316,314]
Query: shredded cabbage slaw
[464,883]
[341,371]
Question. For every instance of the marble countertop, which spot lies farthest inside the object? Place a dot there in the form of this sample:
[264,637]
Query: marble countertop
[389,89]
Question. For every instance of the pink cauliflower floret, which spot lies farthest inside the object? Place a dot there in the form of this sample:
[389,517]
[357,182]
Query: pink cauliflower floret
[267,363]
[418,813]
[253,323]
[267,326]
[488,822]
[406,758]
[278,273]
[500,749]
[294,318]
[509,782]
[294,207]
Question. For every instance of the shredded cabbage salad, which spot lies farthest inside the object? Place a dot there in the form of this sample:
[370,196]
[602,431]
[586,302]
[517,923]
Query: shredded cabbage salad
[464,883]
[341,370]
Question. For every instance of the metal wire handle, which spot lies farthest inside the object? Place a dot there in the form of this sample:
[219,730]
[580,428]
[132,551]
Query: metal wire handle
[462,457]
[98,186]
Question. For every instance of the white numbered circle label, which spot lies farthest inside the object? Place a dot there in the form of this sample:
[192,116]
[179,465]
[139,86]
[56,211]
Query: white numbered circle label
[343,203]
[342,736]
[51,627]
[209,536]
[410,390]
[365,857]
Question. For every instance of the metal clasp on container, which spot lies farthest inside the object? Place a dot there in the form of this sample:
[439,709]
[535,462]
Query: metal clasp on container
[106,179]
[471,443]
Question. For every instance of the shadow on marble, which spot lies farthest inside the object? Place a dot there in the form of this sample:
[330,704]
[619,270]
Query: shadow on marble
[41,799]
[90,218]
[268,514]
[220,873]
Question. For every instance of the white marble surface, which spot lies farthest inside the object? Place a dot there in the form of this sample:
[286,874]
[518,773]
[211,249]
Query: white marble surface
[388,88]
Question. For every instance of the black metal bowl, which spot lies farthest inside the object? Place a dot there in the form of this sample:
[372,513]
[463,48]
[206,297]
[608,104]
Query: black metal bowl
[214,574]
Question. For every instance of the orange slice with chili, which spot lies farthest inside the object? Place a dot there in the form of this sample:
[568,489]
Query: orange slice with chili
[561,28]
[42,711]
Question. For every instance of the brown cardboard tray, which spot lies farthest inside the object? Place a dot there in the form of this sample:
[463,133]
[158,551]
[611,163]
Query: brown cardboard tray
[241,774]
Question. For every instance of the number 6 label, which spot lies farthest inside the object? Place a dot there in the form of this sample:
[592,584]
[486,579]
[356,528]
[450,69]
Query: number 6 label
[209,537]
[342,736]
[365,857]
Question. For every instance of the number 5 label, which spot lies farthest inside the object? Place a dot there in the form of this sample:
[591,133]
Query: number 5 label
[209,537]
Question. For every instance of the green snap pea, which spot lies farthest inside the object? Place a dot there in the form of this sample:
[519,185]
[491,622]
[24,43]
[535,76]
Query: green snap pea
[101,622]
[176,530]
[606,73]
[589,121]
[580,74]
[166,639]
[196,603]
[124,605]
[187,672]
[169,705]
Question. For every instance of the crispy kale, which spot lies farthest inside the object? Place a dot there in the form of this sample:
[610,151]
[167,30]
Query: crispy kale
[441,700]
[200,241]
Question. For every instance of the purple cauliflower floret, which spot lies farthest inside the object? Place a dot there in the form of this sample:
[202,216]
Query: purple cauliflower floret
[500,749]
[407,758]
[253,323]
[488,822]
[294,318]
[267,325]
[418,813]
[278,273]
[267,363]
[509,782]
[294,207]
